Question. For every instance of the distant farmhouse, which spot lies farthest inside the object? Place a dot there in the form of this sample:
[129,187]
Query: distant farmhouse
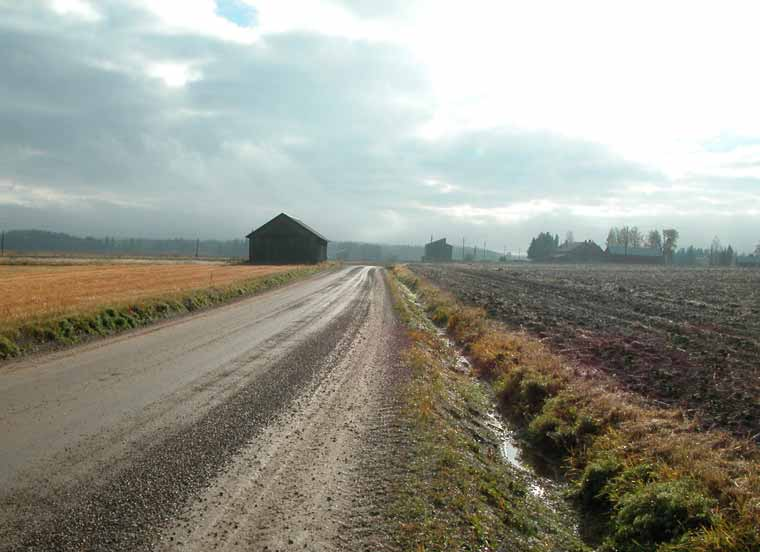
[634,255]
[438,252]
[285,240]
[578,252]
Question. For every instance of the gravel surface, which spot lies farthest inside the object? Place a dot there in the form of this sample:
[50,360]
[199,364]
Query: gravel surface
[270,441]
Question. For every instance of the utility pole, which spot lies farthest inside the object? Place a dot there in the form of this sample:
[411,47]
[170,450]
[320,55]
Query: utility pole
[197,246]
[484,250]
[462,249]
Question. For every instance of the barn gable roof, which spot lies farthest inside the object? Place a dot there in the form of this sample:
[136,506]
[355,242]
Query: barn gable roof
[294,220]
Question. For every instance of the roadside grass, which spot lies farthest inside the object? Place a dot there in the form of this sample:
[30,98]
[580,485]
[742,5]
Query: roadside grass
[457,493]
[649,475]
[46,333]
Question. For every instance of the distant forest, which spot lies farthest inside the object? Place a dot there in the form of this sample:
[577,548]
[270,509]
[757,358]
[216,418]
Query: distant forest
[40,241]
[44,242]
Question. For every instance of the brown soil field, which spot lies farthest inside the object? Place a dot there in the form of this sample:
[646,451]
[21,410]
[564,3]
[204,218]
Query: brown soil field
[33,292]
[688,338]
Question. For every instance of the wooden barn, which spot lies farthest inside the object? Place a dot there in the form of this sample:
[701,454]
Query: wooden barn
[285,240]
[438,251]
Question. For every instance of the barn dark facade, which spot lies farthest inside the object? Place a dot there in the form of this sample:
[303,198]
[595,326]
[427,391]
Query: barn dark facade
[285,240]
[438,251]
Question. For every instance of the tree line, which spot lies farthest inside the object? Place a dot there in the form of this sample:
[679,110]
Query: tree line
[665,241]
[41,241]
[715,255]
[628,237]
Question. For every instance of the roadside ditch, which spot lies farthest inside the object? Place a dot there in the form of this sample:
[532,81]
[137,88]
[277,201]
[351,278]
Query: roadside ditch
[471,484]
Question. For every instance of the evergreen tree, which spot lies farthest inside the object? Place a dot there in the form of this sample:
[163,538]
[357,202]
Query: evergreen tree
[542,246]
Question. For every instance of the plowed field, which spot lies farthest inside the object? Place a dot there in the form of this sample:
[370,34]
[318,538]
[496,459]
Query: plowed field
[686,337]
[28,292]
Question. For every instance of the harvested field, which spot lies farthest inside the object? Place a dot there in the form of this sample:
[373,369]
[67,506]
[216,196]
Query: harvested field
[33,292]
[685,337]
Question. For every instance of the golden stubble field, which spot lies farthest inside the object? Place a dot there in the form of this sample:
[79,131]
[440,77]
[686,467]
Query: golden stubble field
[32,292]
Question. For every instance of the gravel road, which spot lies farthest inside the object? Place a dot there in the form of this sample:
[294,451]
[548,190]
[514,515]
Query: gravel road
[261,425]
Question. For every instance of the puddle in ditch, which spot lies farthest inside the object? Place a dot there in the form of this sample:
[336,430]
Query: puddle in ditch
[544,480]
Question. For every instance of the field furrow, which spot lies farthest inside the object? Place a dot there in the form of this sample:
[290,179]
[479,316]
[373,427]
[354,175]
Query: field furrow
[686,337]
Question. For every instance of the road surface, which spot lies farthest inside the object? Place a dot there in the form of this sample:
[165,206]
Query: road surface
[259,425]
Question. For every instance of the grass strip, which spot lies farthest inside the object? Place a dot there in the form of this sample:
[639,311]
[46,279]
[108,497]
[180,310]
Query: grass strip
[456,492]
[66,330]
[655,481]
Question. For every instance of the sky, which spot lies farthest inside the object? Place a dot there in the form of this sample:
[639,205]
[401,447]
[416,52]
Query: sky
[387,121]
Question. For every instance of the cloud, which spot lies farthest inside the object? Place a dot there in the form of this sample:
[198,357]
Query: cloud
[75,8]
[181,118]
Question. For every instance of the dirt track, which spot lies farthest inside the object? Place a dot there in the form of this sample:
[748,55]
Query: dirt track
[263,424]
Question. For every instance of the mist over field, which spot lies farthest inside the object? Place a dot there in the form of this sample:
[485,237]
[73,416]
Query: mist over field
[383,123]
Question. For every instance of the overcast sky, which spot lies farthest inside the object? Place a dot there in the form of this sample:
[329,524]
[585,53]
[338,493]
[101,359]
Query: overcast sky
[381,121]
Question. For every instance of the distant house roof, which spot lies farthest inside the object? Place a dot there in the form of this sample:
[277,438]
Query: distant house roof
[633,251]
[442,241]
[295,220]
[583,250]
[567,247]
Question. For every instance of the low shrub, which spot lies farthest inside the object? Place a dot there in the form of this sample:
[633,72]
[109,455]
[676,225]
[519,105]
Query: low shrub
[657,513]
[560,428]
[8,348]
[441,316]
[523,392]
[593,490]
[467,325]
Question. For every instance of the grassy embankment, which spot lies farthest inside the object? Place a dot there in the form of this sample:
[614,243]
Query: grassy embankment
[82,320]
[456,493]
[649,475]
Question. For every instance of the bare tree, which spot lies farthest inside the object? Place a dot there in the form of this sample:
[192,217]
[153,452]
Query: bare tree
[757,250]
[635,237]
[670,241]
[654,240]
[624,238]
[716,250]
[569,237]
[613,237]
